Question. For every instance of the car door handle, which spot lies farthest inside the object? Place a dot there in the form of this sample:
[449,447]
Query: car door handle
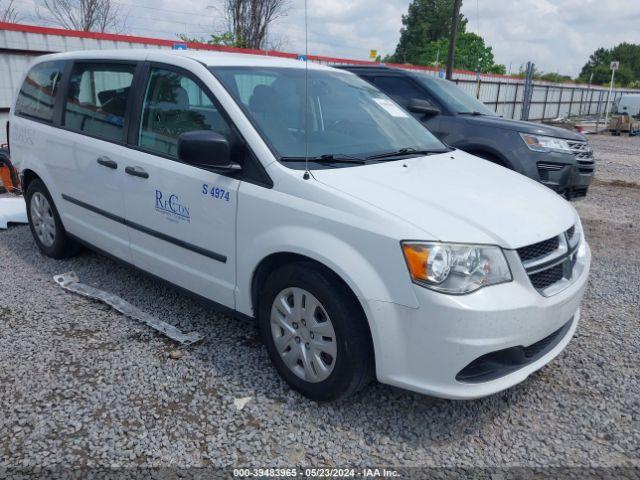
[136,172]
[107,162]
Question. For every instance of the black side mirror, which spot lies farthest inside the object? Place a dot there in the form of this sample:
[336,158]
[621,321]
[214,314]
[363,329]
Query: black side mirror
[206,149]
[417,105]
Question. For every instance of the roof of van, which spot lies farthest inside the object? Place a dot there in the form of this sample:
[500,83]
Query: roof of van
[212,59]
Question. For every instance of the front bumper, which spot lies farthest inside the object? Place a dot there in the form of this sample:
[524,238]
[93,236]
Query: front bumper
[563,173]
[424,349]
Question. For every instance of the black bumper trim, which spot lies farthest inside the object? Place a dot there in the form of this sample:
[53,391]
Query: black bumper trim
[500,363]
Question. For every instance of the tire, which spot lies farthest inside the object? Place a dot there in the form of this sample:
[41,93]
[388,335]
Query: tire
[45,224]
[352,366]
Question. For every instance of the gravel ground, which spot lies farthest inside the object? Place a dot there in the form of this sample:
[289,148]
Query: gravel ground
[84,386]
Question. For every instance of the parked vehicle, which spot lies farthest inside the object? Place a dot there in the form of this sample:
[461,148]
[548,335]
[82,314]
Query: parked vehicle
[558,158]
[361,244]
[628,103]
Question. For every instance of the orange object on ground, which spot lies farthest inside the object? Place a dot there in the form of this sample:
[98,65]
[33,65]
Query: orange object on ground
[8,175]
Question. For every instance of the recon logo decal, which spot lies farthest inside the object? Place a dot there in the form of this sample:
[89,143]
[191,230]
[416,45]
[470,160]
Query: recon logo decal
[22,135]
[171,207]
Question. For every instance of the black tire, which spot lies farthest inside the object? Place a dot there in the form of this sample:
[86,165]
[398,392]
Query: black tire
[63,246]
[354,363]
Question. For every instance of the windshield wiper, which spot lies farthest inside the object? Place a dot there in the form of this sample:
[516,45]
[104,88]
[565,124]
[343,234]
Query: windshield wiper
[406,151]
[475,113]
[327,158]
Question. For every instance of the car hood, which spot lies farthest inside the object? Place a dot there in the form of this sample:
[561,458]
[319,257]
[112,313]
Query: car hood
[524,127]
[457,197]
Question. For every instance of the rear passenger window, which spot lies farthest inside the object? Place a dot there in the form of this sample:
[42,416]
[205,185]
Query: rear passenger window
[97,99]
[37,95]
[175,104]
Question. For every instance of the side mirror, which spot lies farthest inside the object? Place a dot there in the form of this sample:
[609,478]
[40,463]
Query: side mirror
[417,105]
[206,149]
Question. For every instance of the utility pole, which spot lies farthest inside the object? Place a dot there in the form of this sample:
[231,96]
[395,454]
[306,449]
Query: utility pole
[614,66]
[452,39]
[528,91]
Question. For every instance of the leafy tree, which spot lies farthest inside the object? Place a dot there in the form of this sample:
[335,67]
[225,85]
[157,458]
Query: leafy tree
[226,39]
[547,76]
[554,77]
[426,21]
[470,53]
[628,54]
[424,39]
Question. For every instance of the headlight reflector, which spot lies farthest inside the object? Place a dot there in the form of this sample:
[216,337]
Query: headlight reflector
[455,268]
[541,143]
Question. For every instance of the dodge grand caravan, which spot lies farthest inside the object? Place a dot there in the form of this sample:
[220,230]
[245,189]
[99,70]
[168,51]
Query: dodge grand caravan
[558,158]
[363,246]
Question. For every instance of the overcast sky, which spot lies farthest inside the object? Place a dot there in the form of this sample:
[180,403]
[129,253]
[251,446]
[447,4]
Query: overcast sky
[558,35]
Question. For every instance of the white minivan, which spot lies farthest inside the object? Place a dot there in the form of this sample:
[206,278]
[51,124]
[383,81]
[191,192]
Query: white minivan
[308,201]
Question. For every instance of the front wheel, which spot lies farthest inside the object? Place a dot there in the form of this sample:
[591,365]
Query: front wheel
[315,332]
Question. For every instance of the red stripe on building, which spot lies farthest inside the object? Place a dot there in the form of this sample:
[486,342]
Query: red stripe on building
[114,37]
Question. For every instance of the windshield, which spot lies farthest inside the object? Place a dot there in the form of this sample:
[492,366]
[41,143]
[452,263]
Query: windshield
[347,117]
[454,97]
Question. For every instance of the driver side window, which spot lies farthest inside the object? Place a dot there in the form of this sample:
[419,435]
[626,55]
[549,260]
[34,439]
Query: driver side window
[174,104]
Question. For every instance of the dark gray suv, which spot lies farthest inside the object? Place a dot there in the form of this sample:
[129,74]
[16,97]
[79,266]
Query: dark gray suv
[558,158]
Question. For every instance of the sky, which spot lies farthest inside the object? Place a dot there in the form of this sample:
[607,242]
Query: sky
[558,35]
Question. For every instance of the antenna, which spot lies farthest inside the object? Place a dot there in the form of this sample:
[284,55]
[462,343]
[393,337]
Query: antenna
[306,175]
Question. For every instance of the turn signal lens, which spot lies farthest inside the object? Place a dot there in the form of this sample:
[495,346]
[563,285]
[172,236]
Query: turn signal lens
[417,257]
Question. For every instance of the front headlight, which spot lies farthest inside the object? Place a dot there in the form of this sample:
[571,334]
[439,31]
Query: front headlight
[540,143]
[455,268]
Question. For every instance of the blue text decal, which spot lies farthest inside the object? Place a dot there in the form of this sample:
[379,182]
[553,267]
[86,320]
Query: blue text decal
[171,206]
[215,192]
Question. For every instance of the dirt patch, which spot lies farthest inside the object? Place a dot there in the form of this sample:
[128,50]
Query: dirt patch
[616,183]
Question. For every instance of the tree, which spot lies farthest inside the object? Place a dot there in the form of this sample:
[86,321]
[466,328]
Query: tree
[426,21]
[555,77]
[249,20]
[546,76]
[226,39]
[85,15]
[8,12]
[628,54]
[470,53]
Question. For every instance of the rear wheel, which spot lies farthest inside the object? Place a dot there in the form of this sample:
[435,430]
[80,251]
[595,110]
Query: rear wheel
[315,333]
[45,224]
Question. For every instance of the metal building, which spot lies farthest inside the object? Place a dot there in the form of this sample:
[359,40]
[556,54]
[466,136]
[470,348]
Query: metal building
[19,44]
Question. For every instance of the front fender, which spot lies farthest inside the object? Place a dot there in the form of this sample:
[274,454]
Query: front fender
[365,280]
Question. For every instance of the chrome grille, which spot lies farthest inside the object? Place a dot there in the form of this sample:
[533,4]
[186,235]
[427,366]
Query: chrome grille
[584,155]
[552,261]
